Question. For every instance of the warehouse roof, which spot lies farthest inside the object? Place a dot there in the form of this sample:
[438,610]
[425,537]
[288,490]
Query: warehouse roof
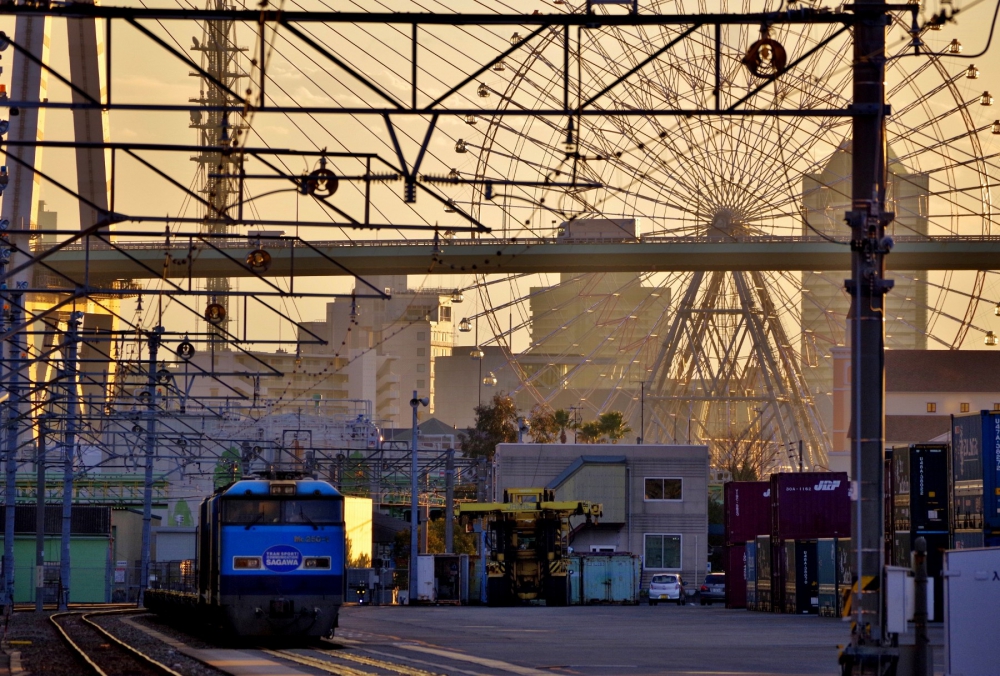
[942,370]
[915,429]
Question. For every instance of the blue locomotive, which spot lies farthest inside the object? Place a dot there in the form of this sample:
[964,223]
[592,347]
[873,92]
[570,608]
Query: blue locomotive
[271,561]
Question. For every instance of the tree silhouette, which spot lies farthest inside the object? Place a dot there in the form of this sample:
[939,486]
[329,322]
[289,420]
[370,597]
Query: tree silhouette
[496,423]
[609,427]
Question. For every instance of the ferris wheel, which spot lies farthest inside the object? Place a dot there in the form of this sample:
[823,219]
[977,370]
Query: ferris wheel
[705,356]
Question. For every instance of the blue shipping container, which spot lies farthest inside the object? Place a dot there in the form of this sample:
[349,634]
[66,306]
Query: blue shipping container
[604,578]
[764,563]
[975,443]
[751,574]
[826,573]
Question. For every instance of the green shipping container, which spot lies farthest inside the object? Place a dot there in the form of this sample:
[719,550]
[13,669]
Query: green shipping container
[90,568]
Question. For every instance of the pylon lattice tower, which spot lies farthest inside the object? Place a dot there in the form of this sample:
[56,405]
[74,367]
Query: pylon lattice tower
[217,131]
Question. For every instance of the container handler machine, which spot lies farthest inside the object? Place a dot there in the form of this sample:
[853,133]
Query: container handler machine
[527,548]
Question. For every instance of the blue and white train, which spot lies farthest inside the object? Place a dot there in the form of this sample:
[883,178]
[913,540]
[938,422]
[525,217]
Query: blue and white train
[271,561]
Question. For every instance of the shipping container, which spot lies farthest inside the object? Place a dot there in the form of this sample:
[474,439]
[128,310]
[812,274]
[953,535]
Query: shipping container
[736,581]
[751,574]
[747,510]
[810,505]
[970,539]
[845,573]
[604,578]
[763,552]
[888,505]
[778,568]
[937,544]
[920,489]
[801,577]
[827,578]
[975,470]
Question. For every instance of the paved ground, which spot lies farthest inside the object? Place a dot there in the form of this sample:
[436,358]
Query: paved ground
[596,640]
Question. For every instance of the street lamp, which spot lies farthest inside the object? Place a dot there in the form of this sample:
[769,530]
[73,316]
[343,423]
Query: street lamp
[415,402]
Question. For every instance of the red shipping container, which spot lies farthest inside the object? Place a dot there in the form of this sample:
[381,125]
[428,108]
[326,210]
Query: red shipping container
[810,505]
[736,580]
[747,510]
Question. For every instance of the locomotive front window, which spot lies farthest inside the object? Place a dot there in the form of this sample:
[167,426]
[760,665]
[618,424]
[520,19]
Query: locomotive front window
[246,511]
[313,512]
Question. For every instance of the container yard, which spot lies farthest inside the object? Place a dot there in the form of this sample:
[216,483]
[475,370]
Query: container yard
[497,337]
[975,457]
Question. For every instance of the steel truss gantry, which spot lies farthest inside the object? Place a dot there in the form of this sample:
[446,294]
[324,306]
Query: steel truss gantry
[868,217]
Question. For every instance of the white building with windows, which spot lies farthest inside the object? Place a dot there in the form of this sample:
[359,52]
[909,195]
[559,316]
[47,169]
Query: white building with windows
[655,498]
[391,345]
[923,389]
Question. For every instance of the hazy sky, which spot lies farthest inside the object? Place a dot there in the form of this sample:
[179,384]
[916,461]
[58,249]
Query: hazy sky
[143,72]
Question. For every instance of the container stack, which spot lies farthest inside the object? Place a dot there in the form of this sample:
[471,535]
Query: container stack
[975,464]
[920,508]
[834,572]
[747,509]
[805,507]
[764,574]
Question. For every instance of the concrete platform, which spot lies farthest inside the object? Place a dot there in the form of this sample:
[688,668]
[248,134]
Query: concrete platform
[600,640]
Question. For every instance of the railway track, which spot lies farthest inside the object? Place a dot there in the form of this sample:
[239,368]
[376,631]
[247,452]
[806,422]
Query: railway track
[103,653]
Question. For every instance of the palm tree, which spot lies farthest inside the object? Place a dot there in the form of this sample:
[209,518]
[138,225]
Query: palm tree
[562,420]
[612,425]
[591,432]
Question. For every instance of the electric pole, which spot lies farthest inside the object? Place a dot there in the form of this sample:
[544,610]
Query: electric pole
[867,288]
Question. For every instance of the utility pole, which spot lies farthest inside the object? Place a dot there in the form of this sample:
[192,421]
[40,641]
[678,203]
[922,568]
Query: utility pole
[69,446]
[154,338]
[642,411]
[40,515]
[415,402]
[867,288]
[449,502]
[13,426]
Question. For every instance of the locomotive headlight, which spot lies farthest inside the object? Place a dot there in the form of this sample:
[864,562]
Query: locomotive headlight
[317,562]
[247,563]
[282,488]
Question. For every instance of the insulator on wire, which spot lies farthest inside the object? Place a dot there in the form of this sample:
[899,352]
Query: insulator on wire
[215,314]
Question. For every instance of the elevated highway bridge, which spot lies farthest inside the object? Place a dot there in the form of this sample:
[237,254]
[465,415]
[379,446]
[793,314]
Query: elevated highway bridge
[191,257]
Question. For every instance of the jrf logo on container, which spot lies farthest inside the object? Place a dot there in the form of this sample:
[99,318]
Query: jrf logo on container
[826,485]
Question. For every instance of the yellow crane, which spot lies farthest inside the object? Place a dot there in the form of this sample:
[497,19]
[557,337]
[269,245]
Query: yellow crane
[529,533]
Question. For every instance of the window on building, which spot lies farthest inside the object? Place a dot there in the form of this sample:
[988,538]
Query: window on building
[931,407]
[662,551]
[421,384]
[421,335]
[421,368]
[964,407]
[444,313]
[663,488]
[421,351]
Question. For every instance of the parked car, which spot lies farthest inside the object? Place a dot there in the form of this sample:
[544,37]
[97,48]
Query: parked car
[714,588]
[666,587]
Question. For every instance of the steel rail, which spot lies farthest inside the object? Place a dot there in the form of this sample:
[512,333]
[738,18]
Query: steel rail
[84,617]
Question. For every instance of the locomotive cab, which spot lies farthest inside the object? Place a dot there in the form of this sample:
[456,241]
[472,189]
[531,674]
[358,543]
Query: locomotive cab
[272,557]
